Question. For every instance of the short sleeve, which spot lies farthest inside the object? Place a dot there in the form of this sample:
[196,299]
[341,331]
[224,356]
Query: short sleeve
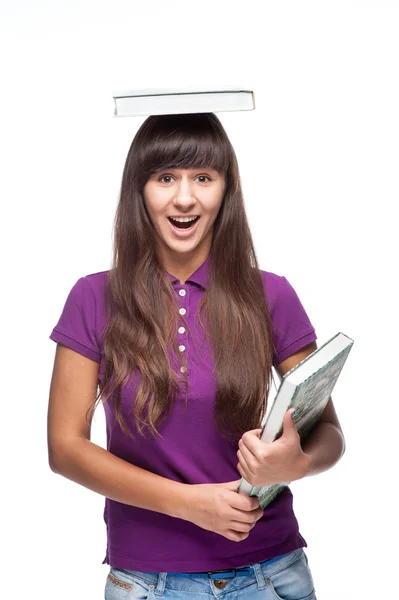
[292,328]
[76,327]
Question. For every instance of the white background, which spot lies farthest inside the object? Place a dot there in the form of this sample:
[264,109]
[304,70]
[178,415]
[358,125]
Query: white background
[319,166]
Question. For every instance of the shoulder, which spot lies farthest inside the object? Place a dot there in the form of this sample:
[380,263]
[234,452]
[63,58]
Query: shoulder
[292,327]
[93,285]
[96,281]
[83,316]
[272,280]
[89,295]
[276,287]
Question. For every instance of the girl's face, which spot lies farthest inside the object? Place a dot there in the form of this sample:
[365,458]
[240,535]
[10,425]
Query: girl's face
[184,193]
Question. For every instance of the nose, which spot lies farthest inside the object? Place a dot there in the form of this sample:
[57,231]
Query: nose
[184,197]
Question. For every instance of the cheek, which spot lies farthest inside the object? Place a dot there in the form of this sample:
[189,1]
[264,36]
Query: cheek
[213,202]
[217,208]
[148,210]
[152,205]
[146,203]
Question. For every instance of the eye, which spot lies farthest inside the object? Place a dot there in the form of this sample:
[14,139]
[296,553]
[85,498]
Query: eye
[170,176]
[163,177]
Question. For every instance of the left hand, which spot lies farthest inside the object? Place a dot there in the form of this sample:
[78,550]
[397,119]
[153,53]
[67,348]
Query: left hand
[282,461]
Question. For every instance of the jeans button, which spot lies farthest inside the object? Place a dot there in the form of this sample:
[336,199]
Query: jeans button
[220,583]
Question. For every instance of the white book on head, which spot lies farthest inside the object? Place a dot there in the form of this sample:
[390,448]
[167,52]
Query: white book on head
[159,101]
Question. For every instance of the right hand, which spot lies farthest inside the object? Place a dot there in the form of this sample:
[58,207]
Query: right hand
[217,507]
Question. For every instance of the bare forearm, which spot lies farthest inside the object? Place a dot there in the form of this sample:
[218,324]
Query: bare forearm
[101,471]
[323,448]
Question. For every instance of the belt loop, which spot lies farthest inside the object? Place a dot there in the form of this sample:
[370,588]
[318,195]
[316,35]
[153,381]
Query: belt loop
[259,576]
[161,584]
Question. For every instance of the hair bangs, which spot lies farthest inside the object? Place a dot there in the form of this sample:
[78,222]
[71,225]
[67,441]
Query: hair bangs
[183,142]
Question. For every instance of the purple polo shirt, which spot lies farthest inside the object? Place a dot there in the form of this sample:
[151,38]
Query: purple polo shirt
[191,449]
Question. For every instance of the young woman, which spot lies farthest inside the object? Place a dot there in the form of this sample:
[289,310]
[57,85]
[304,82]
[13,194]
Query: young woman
[179,337]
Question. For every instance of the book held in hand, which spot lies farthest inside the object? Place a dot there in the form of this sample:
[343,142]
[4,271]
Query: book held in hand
[307,387]
[160,101]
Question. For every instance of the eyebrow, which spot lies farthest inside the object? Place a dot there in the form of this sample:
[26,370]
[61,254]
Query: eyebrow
[189,170]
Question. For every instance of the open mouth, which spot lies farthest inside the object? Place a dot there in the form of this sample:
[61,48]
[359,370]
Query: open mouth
[183,224]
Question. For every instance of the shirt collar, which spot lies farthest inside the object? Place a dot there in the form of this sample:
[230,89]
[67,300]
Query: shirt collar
[200,276]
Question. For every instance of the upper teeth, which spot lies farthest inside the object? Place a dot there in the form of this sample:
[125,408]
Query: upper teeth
[183,219]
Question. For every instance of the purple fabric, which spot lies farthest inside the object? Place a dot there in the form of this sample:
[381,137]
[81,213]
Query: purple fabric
[191,450]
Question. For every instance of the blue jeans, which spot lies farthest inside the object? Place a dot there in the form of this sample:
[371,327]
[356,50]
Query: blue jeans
[288,578]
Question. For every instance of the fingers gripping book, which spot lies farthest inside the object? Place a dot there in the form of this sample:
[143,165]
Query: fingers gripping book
[307,387]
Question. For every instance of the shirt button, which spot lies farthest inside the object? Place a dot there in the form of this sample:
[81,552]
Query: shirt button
[183,369]
[181,330]
[182,292]
[182,311]
[182,348]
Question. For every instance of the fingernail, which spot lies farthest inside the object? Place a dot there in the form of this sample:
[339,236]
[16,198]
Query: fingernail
[293,414]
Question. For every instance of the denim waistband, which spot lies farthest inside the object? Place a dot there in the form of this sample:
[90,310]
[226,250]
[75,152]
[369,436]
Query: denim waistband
[228,573]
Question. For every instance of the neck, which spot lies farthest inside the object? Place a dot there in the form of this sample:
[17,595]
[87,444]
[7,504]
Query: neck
[182,266]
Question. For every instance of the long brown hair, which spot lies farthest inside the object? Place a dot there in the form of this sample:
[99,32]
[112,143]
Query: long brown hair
[141,301]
